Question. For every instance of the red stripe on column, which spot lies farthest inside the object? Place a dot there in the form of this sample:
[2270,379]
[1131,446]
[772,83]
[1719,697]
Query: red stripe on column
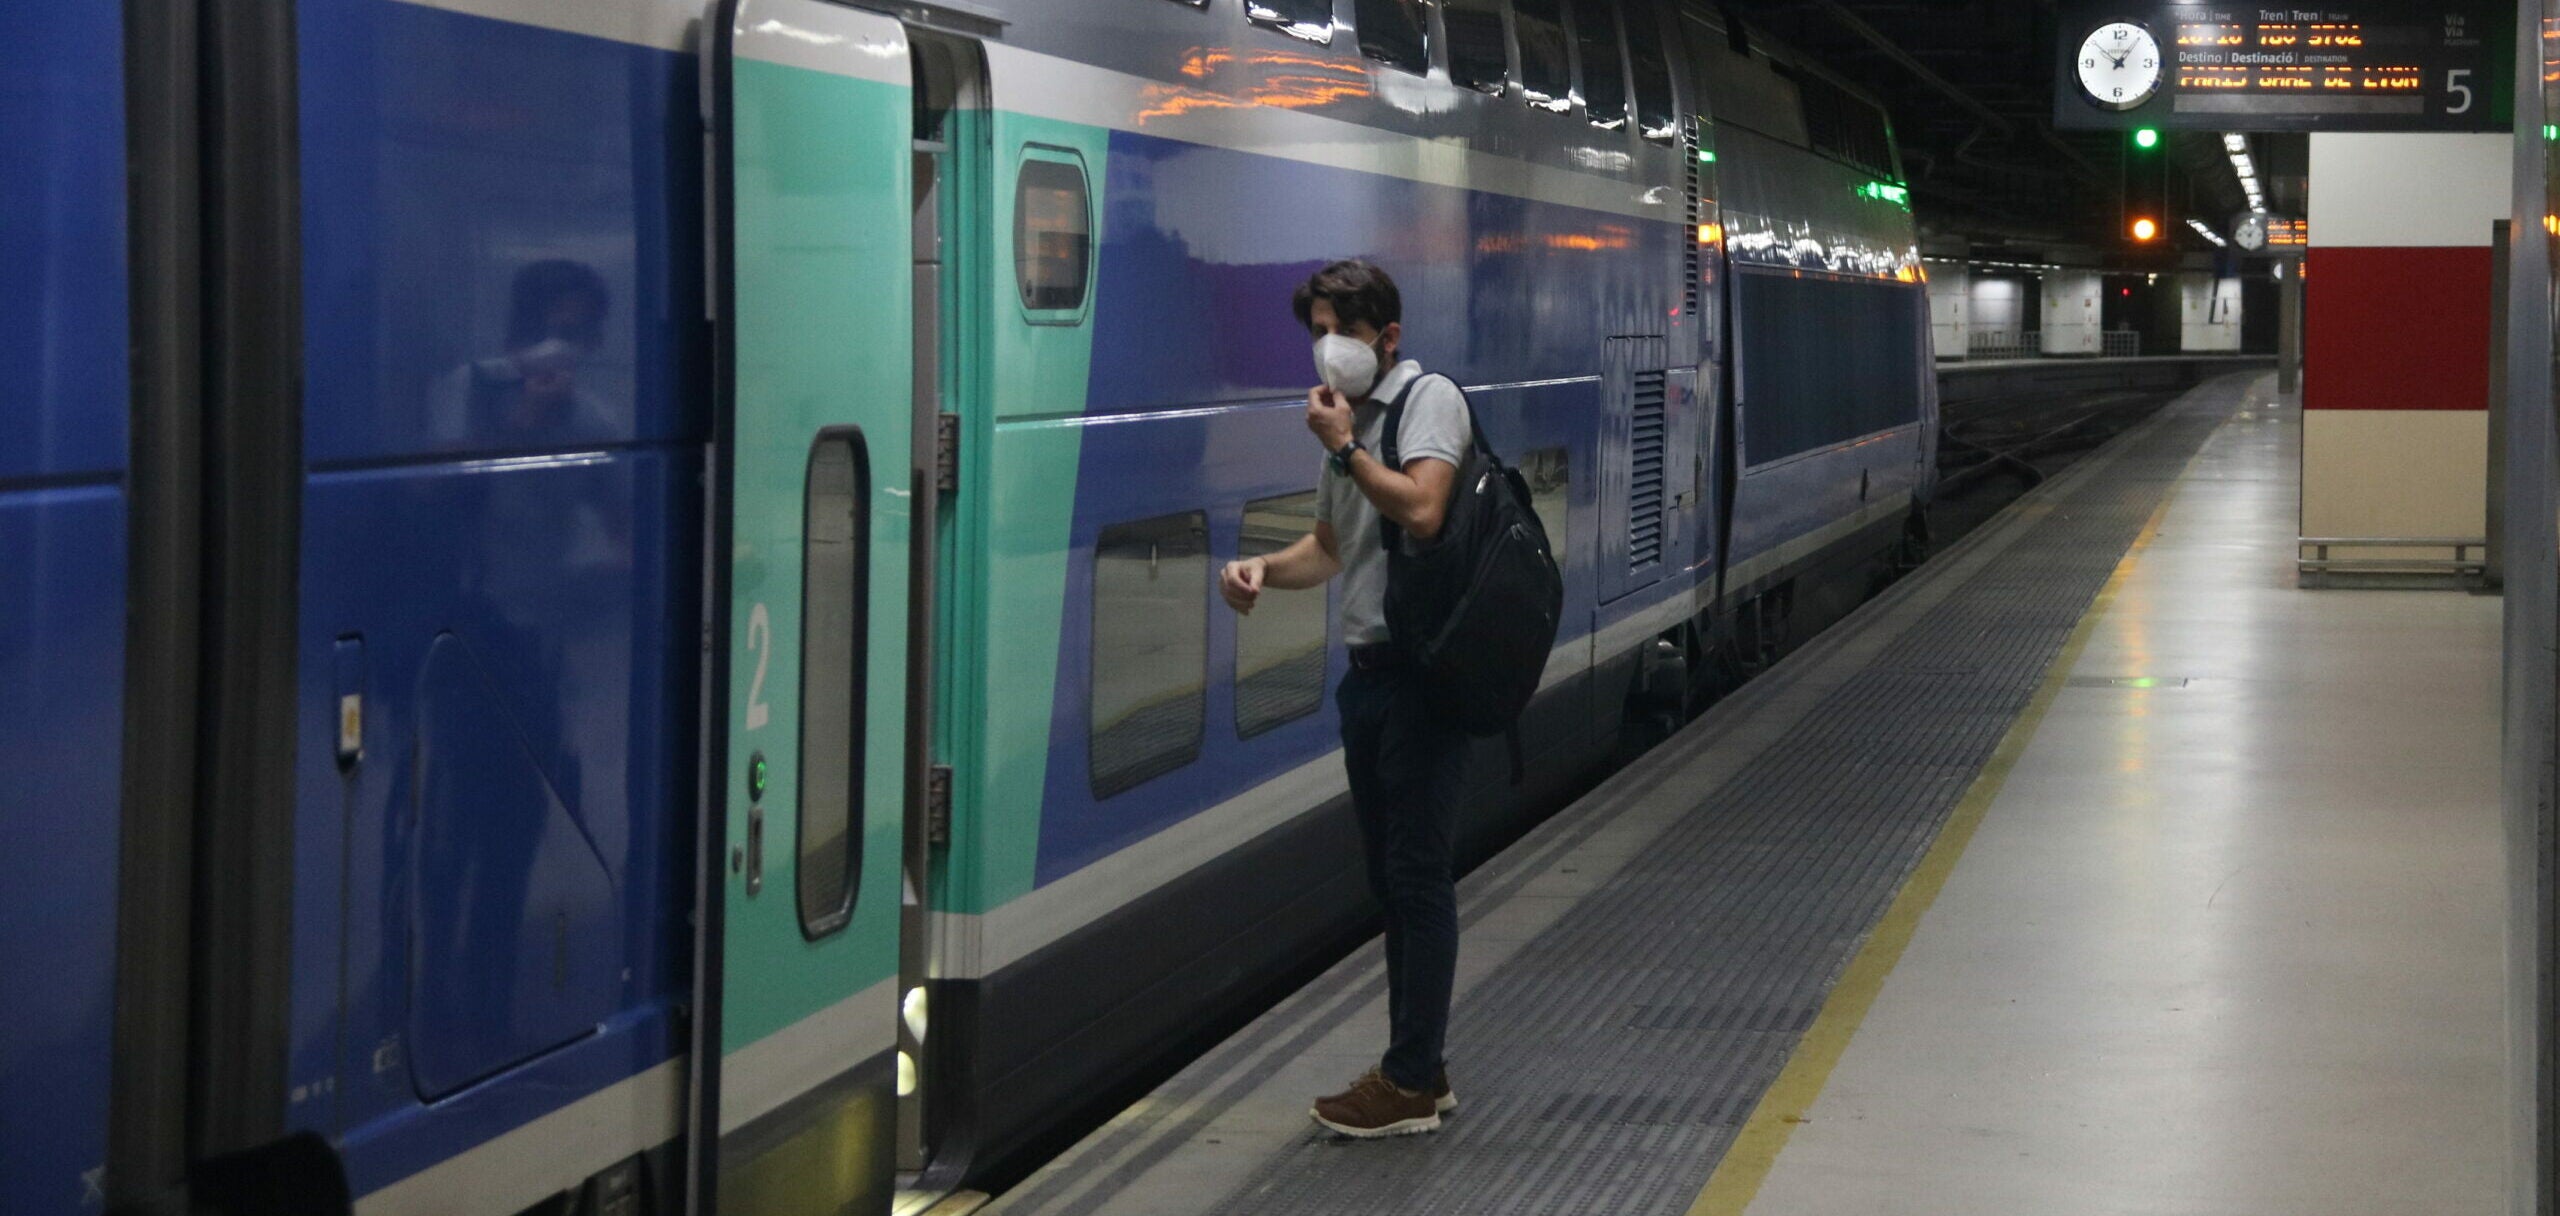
[2396,329]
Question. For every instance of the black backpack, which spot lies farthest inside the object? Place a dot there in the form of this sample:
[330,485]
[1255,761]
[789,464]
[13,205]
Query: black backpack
[1475,608]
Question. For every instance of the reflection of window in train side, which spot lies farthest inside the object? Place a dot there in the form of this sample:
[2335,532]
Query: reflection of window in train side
[1395,33]
[834,591]
[1652,73]
[1477,59]
[1311,20]
[1280,644]
[1547,472]
[1546,59]
[1150,649]
[1052,235]
[1604,80]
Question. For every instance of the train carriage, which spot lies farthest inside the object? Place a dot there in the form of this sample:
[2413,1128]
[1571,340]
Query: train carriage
[746,717]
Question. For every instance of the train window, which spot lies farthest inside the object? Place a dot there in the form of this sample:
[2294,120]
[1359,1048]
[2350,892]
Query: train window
[1478,58]
[1655,114]
[1280,645]
[1548,472]
[1546,59]
[1842,125]
[1311,20]
[1604,79]
[835,582]
[1150,649]
[1395,33]
[1052,235]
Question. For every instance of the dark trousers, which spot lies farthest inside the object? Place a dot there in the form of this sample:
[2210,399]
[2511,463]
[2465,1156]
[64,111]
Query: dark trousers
[1407,765]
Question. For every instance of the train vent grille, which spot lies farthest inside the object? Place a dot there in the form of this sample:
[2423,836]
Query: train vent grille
[1697,217]
[1647,447]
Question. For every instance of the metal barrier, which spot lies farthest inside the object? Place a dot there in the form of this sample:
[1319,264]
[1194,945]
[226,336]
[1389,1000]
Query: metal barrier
[2001,344]
[2470,555]
[2121,344]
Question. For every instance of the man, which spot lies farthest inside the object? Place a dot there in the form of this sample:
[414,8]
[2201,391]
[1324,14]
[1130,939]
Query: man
[1405,762]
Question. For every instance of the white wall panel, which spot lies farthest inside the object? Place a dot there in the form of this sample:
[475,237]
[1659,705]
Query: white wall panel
[2208,314]
[2408,190]
[1950,311]
[2071,314]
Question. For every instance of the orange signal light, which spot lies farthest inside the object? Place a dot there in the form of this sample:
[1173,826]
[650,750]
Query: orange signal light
[2146,229]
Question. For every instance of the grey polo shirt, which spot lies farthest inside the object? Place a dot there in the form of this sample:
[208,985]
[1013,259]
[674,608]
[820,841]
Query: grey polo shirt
[1435,425]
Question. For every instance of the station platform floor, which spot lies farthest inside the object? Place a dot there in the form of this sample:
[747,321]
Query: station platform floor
[2094,868]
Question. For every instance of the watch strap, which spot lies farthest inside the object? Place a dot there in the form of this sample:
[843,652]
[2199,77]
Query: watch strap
[1340,457]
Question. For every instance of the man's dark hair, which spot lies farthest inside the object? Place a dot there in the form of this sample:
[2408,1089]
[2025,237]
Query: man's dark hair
[1358,292]
[539,285]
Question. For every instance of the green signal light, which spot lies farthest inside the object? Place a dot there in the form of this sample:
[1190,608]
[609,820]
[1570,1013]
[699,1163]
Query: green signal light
[1706,156]
[1886,192]
[2147,138]
[758,774]
[2550,131]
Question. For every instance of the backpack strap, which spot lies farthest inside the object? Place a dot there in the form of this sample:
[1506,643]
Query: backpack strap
[1392,456]
[1387,453]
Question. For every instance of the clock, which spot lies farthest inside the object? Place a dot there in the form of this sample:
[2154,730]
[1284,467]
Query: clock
[2119,65]
[2251,232]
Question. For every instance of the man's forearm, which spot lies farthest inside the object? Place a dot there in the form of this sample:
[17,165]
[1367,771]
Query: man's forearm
[1408,501]
[1302,565]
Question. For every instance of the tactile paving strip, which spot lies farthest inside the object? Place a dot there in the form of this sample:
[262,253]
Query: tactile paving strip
[1607,1066]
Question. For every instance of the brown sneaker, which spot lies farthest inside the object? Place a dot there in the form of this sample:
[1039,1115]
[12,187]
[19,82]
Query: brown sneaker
[1375,1106]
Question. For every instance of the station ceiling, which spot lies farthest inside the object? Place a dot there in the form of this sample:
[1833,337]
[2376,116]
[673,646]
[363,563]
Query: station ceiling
[1969,85]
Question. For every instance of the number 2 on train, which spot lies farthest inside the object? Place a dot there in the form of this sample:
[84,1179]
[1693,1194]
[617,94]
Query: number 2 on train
[759,640]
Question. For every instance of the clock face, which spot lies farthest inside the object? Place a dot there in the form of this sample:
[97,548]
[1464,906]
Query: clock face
[2119,65]
[2251,232]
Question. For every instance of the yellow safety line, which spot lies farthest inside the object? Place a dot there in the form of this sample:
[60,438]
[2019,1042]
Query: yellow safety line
[1747,1164]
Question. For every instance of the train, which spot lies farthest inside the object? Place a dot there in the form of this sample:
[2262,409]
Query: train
[607,606]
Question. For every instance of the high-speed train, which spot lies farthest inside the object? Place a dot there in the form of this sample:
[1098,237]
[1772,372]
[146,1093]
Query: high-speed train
[609,608]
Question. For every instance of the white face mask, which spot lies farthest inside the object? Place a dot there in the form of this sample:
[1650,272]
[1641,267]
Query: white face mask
[1347,364]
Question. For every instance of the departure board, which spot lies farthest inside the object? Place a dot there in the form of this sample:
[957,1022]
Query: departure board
[2377,65]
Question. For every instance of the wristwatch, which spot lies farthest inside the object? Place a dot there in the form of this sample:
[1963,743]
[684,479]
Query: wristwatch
[1341,458]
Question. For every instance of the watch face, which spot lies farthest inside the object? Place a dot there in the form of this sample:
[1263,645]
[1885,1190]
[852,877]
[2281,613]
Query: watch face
[2119,65]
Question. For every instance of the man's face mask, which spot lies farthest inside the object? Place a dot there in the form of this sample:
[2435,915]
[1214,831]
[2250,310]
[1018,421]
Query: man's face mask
[1348,365]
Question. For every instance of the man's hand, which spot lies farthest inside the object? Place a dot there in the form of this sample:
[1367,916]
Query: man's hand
[1329,416]
[1241,583]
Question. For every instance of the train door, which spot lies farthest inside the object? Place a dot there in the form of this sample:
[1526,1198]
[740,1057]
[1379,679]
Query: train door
[63,594]
[948,216]
[797,1041]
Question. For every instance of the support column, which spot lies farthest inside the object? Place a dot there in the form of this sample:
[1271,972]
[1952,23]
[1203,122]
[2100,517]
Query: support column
[2208,314]
[2071,324]
[2396,339]
[2288,328]
[1950,311]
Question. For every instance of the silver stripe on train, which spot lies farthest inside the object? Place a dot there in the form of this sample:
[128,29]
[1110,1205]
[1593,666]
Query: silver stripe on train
[819,38]
[757,1078]
[1742,574]
[1047,86]
[666,25]
[551,1154]
[1062,89]
[558,1151]
[976,945]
